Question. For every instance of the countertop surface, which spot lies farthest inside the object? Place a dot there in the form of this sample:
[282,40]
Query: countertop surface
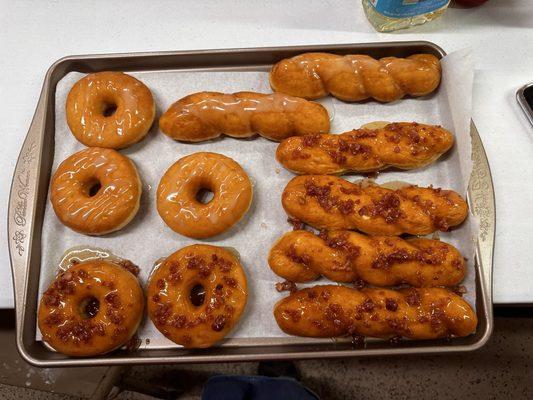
[33,34]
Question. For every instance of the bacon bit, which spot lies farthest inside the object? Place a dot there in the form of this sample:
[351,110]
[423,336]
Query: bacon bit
[54,319]
[311,294]
[219,323]
[156,298]
[231,282]
[162,313]
[458,264]
[114,316]
[358,341]
[179,321]
[342,243]
[134,343]
[286,286]
[396,149]
[80,331]
[326,294]
[129,266]
[391,304]
[51,298]
[195,262]
[310,140]
[223,264]
[334,312]
[363,133]
[459,290]
[303,259]
[367,305]
[395,340]
[359,283]
[413,298]
[297,154]
[337,157]
[160,284]
[440,223]
[346,207]
[113,299]
[353,190]
[297,225]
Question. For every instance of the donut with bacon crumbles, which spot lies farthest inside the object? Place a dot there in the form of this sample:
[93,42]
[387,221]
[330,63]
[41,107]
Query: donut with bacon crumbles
[92,308]
[197,295]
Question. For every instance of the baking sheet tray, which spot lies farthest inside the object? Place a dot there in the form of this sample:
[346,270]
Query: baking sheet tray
[259,341]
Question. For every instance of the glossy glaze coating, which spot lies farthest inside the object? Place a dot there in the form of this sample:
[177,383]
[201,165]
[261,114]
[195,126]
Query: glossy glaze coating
[332,311]
[356,77]
[346,256]
[207,115]
[96,191]
[176,195]
[109,109]
[74,326]
[171,308]
[402,145]
[329,202]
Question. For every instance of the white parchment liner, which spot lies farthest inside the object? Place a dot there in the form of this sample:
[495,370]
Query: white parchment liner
[147,238]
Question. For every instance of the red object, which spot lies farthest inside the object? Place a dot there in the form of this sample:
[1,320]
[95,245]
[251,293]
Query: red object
[470,3]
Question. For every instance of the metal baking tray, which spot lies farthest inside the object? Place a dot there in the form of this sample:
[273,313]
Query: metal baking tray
[29,195]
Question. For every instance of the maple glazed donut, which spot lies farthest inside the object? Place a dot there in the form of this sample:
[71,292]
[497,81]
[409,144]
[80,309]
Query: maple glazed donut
[179,193]
[110,109]
[96,191]
[197,295]
[92,308]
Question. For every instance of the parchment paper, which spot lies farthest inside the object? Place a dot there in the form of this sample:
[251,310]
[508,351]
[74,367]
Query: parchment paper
[147,238]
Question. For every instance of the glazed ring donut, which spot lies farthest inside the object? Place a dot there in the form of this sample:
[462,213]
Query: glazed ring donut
[110,109]
[197,295]
[332,310]
[182,184]
[96,191]
[92,308]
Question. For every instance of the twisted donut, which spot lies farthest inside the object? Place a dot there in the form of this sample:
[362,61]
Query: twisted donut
[402,145]
[330,311]
[329,202]
[356,77]
[345,256]
[207,115]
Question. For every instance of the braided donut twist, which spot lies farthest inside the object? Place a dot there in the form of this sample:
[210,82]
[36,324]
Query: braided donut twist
[405,145]
[345,256]
[207,115]
[331,311]
[329,202]
[356,77]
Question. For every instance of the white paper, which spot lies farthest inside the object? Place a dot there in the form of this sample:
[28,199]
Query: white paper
[147,238]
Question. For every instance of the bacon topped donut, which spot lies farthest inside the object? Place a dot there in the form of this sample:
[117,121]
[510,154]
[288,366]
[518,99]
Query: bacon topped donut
[329,202]
[331,311]
[404,145]
[346,256]
[197,295]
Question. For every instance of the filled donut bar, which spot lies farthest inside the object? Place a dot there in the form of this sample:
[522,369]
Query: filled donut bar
[356,77]
[403,145]
[329,202]
[347,256]
[208,115]
[333,311]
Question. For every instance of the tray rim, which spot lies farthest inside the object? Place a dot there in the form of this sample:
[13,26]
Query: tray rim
[480,195]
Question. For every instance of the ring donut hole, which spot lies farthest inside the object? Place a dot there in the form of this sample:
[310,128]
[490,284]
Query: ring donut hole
[89,307]
[91,187]
[109,108]
[204,195]
[197,294]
